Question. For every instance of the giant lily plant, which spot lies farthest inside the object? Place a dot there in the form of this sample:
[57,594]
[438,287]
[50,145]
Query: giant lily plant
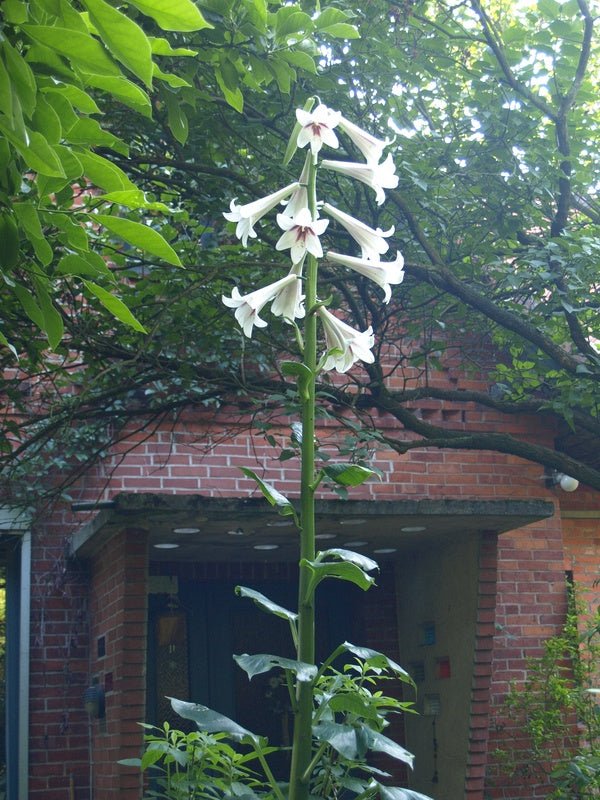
[329,751]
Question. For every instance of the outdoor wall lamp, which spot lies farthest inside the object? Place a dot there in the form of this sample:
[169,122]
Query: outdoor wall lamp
[93,701]
[566,482]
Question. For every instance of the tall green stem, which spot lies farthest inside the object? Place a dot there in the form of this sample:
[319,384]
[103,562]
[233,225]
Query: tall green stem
[302,739]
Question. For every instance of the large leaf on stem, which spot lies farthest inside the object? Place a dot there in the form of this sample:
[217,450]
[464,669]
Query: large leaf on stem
[397,793]
[383,744]
[264,662]
[275,498]
[348,566]
[349,741]
[265,604]
[375,659]
[211,721]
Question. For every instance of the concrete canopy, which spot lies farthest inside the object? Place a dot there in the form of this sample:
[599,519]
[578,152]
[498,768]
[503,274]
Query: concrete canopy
[200,528]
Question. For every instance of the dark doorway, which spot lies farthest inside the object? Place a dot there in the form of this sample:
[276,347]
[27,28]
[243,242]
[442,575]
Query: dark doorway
[193,636]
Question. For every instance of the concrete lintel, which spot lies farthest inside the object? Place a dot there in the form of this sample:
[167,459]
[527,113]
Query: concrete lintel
[161,513]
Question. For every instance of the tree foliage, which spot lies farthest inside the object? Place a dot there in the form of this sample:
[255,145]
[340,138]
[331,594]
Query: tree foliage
[495,118]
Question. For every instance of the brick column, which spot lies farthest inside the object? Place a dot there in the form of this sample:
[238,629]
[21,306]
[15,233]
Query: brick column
[118,661]
[482,666]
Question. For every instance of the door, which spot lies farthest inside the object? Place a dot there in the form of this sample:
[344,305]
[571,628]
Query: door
[192,638]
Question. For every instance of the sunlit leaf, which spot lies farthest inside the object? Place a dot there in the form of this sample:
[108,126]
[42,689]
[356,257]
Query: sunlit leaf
[173,15]
[123,37]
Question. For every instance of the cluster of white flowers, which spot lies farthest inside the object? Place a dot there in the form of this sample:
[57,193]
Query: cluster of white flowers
[301,232]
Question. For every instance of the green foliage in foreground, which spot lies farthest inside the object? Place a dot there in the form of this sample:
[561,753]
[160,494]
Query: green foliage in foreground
[68,71]
[222,759]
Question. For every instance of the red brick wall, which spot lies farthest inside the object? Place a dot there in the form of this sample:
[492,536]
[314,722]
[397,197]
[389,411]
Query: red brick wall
[531,607]
[59,668]
[580,514]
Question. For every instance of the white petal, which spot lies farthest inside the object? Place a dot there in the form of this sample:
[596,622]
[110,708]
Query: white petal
[329,138]
[303,218]
[382,273]
[285,222]
[319,226]
[313,245]
[303,117]
[233,215]
[287,239]
[243,230]
[377,176]
[235,300]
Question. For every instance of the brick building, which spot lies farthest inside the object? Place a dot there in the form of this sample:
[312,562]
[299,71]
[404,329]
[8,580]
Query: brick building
[130,589]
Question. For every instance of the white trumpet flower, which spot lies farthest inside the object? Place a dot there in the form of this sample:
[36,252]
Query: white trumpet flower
[371,147]
[382,273]
[248,215]
[301,234]
[345,345]
[377,176]
[372,241]
[285,292]
[317,128]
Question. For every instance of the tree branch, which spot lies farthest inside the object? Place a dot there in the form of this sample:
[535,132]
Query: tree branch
[442,277]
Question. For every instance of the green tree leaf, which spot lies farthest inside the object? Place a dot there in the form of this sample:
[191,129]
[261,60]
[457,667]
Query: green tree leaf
[46,121]
[178,121]
[29,304]
[397,793]
[173,15]
[116,306]
[339,553]
[123,37]
[88,131]
[76,96]
[80,48]
[133,198]
[162,47]
[139,235]
[383,744]
[53,325]
[103,173]
[234,97]
[345,739]
[89,264]
[21,76]
[123,90]
[38,155]
[339,570]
